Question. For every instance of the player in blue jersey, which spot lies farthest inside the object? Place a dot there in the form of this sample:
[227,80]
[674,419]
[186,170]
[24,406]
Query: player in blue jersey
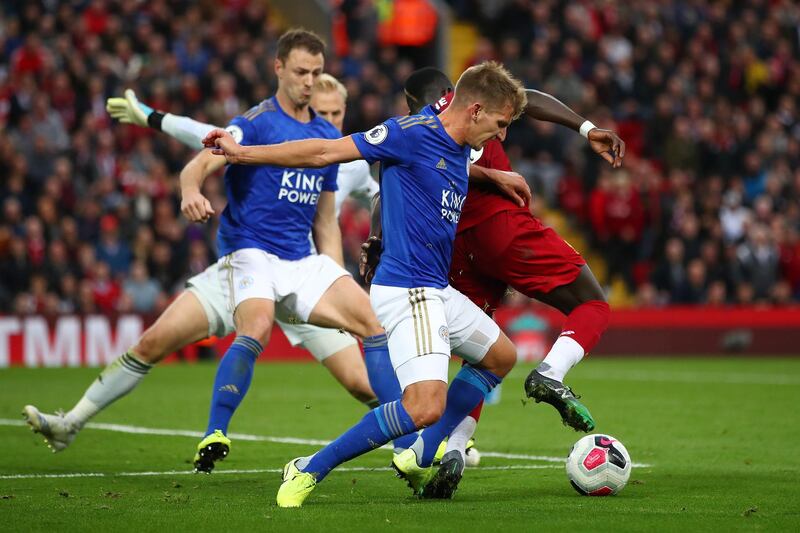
[200,311]
[267,268]
[425,172]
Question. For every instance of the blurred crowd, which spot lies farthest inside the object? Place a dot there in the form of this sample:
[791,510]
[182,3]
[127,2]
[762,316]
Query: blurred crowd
[705,94]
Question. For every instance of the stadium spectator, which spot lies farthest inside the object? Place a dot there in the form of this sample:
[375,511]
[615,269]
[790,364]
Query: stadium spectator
[705,96]
[143,291]
[112,249]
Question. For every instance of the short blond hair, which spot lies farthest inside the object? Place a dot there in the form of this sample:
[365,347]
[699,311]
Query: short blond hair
[491,83]
[327,83]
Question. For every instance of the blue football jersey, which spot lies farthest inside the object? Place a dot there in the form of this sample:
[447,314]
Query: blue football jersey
[272,208]
[424,177]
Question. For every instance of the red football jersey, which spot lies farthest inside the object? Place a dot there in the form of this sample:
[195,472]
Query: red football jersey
[483,200]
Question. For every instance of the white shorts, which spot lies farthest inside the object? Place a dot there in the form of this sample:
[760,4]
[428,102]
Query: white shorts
[321,342]
[296,285]
[206,287]
[424,325]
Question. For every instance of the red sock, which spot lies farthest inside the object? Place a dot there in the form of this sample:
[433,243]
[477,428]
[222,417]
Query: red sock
[476,413]
[587,322]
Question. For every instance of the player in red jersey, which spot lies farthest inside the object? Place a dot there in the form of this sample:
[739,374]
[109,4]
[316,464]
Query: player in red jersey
[499,243]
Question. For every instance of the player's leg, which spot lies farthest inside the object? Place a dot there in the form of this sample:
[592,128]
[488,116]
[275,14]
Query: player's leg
[540,264]
[347,367]
[245,279]
[470,387]
[183,322]
[336,301]
[345,305]
[420,358]
[584,303]
[490,356]
[253,320]
[338,352]
[487,293]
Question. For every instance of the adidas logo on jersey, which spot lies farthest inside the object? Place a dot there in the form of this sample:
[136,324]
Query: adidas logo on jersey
[441,165]
[229,388]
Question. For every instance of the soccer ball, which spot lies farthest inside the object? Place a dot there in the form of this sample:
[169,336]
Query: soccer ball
[598,465]
[473,457]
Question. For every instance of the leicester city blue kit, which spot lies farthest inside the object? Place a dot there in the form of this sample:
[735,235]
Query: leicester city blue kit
[272,208]
[424,179]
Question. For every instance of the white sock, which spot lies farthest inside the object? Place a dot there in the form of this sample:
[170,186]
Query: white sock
[460,436]
[117,379]
[565,353]
[302,462]
[188,131]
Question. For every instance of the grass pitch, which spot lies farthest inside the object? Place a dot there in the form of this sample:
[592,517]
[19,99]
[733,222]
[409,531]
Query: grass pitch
[719,437]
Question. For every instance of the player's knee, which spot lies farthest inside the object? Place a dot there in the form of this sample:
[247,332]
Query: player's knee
[501,358]
[424,411]
[506,360]
[150,347]
[259,328]
[358,387]
[363,393]
[587,288]
[427,415]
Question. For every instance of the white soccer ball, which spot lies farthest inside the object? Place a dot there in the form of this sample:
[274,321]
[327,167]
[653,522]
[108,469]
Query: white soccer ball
[598,465]
[473,457]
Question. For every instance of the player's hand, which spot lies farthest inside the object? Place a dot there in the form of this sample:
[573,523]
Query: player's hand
[512,184]
[195,206]
[608,145]
[128,110]
[222,143]
[369,258]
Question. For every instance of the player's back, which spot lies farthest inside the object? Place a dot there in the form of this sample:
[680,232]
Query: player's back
[424,176]
[272,208]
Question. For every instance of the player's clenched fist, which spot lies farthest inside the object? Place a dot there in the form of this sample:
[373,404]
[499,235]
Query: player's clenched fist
[222,143]
[195,206]
[368,260]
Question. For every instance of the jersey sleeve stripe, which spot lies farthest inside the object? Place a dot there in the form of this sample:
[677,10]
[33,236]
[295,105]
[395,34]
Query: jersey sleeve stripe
[431,123]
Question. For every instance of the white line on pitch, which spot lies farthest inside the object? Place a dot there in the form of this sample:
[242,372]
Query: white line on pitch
[121,428]
[242,471]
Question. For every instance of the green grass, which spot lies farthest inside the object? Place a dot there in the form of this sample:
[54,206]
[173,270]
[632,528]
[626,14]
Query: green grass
[721,437]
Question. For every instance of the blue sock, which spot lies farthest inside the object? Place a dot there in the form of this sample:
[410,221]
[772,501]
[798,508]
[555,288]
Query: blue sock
[378,427]
[468,389]
[383,380]
[234,374]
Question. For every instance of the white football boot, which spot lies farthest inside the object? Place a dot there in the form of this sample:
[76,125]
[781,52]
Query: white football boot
[58,433]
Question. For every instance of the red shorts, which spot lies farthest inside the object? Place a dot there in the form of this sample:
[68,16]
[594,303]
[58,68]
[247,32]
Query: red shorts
[511,248]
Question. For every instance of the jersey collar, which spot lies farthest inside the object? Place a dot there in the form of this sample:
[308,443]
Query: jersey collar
[430,110]
[311,112]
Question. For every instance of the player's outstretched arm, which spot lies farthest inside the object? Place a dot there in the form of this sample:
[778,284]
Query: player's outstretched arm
[325,230]
[512,184]
[606,143]
[308,153]
[129,110]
